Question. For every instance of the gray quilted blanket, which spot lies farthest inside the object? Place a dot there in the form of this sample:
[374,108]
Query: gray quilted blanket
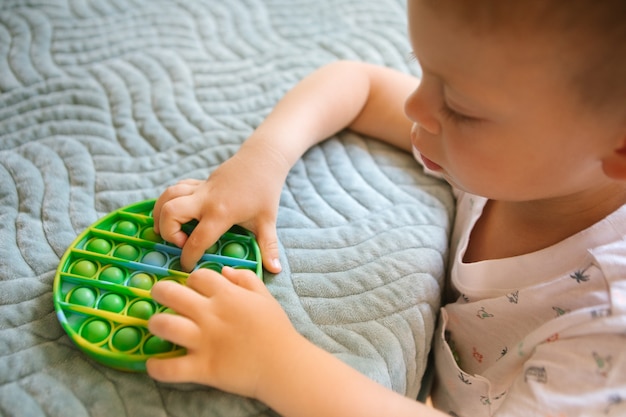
[106,102]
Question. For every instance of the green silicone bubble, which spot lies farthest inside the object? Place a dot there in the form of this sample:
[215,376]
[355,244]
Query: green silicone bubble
[83,296]
[99,246]
[141,309]
[112,274]
[156,345]
[175,264]
[126,338]
[234,250]
[84,268]
[125,227]
[128,252]
[214,247]
[149,234]
[96,331]
[141,280]
[112,302]
[212,265]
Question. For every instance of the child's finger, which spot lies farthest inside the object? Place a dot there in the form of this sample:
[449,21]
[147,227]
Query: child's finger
[268,244]
[206,233]
[180,298]
[208,282]
[179,369]
[205,281]
[172,215]
[244,278]
[182,188]
[191,181]
[177,329]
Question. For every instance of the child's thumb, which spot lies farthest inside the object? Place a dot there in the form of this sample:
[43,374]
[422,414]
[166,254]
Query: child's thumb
[268,244]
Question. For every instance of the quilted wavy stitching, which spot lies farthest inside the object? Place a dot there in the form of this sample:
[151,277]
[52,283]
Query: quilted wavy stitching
[104,103]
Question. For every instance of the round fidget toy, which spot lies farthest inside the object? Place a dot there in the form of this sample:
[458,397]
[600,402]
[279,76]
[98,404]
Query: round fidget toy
[102,285]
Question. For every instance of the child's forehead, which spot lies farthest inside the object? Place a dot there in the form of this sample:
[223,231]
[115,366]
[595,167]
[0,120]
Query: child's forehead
[486,15]
[581,42]
[474,71]
[449,31]
[537,16]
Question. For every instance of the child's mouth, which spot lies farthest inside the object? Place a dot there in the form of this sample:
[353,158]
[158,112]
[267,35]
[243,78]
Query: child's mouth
[430,164]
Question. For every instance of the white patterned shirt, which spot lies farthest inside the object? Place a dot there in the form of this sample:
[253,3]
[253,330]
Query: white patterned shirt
[542,334]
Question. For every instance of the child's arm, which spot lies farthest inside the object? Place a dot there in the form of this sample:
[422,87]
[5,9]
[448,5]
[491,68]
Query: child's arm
[239,339]
[246,189]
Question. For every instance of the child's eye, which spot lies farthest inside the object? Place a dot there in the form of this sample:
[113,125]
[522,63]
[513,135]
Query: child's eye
[456,117]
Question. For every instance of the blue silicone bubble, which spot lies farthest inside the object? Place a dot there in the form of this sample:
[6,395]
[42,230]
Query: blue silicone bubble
[102,285]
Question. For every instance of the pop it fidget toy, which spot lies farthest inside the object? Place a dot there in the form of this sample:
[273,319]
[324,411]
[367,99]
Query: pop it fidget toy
[102,286]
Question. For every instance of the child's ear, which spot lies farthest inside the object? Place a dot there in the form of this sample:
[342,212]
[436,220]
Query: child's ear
[614,165]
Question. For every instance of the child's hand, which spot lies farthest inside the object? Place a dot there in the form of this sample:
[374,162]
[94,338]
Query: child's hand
[232,327]
[243,190]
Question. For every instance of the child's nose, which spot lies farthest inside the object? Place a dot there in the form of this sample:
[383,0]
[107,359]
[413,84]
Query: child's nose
[421,108]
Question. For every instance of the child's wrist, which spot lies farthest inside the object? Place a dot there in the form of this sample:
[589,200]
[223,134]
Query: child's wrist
[280,368]
[261,152]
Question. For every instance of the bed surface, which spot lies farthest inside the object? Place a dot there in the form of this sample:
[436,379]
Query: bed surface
[106,103]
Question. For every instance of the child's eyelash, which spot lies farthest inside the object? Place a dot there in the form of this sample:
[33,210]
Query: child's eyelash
[455,116]
[449,113]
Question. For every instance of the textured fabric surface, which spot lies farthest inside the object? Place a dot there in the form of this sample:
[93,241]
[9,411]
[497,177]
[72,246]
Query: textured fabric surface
[105,103]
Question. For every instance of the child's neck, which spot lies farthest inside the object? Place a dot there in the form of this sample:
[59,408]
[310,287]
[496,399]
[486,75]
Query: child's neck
[507,229]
